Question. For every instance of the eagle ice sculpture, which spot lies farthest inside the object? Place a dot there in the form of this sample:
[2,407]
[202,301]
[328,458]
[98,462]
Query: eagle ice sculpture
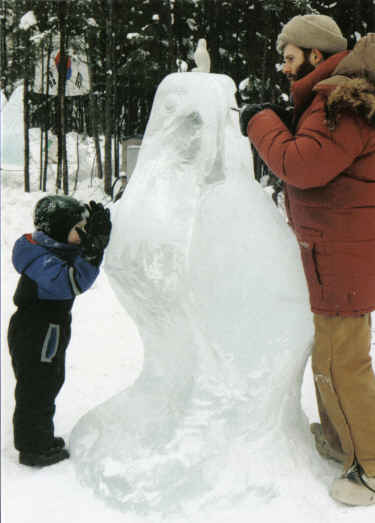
[210,273]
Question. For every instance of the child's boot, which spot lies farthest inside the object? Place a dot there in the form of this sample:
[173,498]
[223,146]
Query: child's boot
[58,443]
[43,458]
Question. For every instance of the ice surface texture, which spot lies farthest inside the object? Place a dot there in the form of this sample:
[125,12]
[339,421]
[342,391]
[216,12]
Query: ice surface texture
[210,272]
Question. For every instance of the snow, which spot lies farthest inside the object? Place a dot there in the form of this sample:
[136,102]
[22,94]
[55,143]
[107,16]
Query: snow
[182,66]
[103,357]
[28,20]
[12,123]
[257,472]
[244,84]
[192,24]
[92,22]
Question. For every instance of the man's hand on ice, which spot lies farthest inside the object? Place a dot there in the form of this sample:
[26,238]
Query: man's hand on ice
[284,113]
[246,113]
[249,110]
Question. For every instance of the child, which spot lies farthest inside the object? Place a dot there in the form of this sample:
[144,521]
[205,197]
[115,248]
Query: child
[57,262]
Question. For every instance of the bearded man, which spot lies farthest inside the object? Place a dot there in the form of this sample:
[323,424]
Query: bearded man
[326,157]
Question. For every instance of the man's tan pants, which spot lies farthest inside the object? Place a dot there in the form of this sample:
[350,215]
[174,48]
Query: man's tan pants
[345,386]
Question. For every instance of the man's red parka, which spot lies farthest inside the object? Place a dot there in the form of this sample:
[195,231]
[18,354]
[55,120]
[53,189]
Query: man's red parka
[330,184]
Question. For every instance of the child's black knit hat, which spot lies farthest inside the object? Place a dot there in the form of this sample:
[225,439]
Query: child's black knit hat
[56,215]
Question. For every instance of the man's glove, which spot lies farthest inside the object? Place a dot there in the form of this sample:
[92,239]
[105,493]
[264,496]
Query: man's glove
[246,113]
[98,223]
[284,113]
[92,249]
[249,110]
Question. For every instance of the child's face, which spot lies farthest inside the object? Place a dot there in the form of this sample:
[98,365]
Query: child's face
[73,236]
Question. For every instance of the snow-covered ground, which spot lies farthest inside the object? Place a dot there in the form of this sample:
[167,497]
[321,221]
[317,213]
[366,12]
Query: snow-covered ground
[104,357]
[105,354]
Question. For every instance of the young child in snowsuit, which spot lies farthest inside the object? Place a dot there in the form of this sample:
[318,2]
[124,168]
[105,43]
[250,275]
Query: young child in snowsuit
[57,262]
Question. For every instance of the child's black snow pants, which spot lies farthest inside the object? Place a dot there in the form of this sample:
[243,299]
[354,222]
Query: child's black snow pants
[37,348]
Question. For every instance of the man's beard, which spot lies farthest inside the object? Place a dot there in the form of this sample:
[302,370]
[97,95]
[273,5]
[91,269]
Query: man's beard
[305,68]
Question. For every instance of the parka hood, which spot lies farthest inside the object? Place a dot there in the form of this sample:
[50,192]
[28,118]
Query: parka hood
[352,84]
[360,62]
[356,95]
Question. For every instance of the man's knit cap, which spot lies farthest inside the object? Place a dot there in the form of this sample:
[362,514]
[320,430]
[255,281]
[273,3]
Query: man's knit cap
[310,32]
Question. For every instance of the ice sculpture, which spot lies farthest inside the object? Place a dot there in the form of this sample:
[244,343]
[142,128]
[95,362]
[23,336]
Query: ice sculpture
[12,141]
[210,272]
[202,57]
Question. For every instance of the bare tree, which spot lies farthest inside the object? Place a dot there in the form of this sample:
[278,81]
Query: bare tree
[62,163]
[45,165]
[108,102]
[3,47]
[93,108]
[42,127]
[26,127]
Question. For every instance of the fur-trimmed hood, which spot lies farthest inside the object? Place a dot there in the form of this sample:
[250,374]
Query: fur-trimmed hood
[352,84]
[345,94]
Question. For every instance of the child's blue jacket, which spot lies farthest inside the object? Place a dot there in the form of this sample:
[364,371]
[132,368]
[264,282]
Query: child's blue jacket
[57,269]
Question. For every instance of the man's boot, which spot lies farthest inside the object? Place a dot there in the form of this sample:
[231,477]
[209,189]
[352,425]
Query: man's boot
[354,488]
[322,445]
